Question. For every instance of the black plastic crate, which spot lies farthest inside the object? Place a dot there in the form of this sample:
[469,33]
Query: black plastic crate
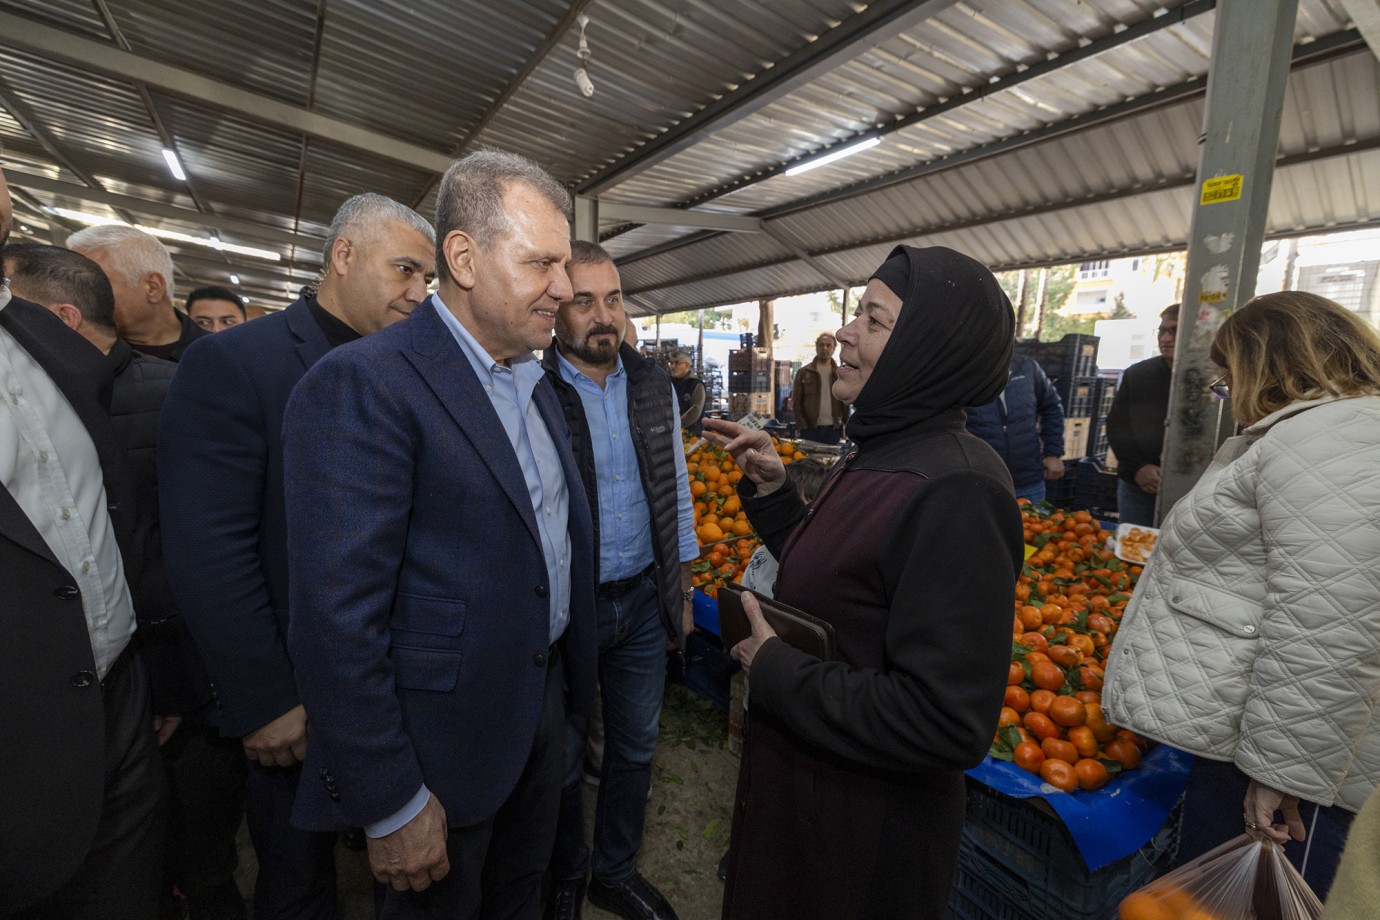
[708,667]
[749,381]
[1102,398]
[1018,861]
[1059,492]
[1078,395]
[1097,442]
[1096,489]
[1072,356]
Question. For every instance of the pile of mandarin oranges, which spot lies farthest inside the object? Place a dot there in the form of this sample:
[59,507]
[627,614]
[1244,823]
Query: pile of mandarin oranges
[727,540]
[1069,600]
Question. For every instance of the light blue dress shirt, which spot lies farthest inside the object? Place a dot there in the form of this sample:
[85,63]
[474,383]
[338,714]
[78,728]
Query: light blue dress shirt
[510,390]
[625,520]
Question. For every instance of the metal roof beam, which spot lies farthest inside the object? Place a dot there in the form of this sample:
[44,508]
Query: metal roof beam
[516,83]
[1048,207]
[679,217]
[104,58]
[1365,15]
[249,229]
[1324,49]
[854,36]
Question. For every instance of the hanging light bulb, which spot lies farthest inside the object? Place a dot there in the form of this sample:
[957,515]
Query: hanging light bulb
[582,80]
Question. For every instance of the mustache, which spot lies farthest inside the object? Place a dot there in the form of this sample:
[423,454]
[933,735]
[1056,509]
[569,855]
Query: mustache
[602,329]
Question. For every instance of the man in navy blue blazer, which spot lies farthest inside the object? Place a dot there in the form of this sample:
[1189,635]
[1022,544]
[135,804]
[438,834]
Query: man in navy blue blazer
[220,459]
[442,564]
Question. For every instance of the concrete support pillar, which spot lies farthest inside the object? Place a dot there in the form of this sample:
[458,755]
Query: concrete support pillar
[1251,46]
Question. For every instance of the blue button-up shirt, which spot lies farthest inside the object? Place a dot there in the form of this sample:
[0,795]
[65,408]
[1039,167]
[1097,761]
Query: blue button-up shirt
[625,520]
[510,390]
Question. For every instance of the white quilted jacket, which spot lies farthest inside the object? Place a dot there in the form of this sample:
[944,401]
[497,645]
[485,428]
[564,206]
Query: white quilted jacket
[1254,633]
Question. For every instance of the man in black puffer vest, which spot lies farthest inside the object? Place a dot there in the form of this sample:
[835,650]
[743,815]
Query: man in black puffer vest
[206,773]
[625,429]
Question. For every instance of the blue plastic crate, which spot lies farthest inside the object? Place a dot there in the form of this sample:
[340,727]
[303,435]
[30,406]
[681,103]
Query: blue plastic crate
[708,667]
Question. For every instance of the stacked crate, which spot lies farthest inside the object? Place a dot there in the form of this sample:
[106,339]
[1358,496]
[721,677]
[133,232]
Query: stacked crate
[1071,365]
[711,375]
[1102,406]
[749,382]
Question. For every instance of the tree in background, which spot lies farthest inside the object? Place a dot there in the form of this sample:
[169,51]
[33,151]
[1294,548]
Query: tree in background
[714,318]
[1043,305]
[1119,308]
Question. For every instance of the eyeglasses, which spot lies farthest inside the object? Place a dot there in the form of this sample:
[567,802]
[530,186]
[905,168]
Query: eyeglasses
[1167,330]
[1220,387]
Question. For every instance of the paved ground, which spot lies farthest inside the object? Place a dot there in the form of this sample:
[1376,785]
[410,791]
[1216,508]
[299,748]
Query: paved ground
[688,818]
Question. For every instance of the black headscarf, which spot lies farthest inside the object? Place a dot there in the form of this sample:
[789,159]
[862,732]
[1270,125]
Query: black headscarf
[950,347]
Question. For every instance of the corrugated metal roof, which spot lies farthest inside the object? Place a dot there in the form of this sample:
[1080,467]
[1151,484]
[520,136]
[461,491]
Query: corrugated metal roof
[429,73]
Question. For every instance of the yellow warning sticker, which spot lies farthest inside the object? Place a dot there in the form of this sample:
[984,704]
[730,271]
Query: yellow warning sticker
[1221,188]
[1211,296]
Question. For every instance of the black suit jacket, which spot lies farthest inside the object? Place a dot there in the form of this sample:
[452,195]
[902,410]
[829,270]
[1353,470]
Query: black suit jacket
[51,714]
[220,468]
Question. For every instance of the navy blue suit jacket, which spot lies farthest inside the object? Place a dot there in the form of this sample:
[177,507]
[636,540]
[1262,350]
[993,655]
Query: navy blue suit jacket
[420,603]
[220,464]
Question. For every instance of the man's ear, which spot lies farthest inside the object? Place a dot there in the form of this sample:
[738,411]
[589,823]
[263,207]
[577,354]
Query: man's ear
[155,287]
[461,254]
[71,317]
[341,255]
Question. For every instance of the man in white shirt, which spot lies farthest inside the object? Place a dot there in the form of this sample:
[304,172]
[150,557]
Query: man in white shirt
[82,805]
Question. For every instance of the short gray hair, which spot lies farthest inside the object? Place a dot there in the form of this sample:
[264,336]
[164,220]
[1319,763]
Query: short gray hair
[361,215]
[133,253]
[470,197]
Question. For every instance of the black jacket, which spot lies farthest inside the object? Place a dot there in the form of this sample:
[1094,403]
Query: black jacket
[190,333]
[220,465]
[1135,424]
[51,710]
[655,422]
[176,675]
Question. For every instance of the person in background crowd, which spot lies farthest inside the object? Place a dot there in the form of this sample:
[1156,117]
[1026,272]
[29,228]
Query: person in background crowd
[851,794]
[623,414]
[1025,426]
[819,414]
[224,524]
[216,309]
[689,392]
[140,270]
[206,772]
[83,802]
[1251,639]
[759,574]
[443,602]
[1135,425]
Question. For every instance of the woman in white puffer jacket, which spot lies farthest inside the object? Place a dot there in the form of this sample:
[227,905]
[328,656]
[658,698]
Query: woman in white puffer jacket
[1253,637]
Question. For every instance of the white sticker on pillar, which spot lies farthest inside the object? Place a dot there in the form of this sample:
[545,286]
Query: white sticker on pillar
[1218,243]
[1214,284]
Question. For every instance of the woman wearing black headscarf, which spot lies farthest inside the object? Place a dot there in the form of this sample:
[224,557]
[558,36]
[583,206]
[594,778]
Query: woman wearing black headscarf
[850,795]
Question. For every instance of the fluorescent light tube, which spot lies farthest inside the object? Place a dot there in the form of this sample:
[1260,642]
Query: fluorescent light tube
[211,242]
[834,155]
[173,166]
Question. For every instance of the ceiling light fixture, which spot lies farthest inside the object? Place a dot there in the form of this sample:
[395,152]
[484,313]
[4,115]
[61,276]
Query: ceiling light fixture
[834,155]
[174,166]
[582,80]
[234,279]
[210,242]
